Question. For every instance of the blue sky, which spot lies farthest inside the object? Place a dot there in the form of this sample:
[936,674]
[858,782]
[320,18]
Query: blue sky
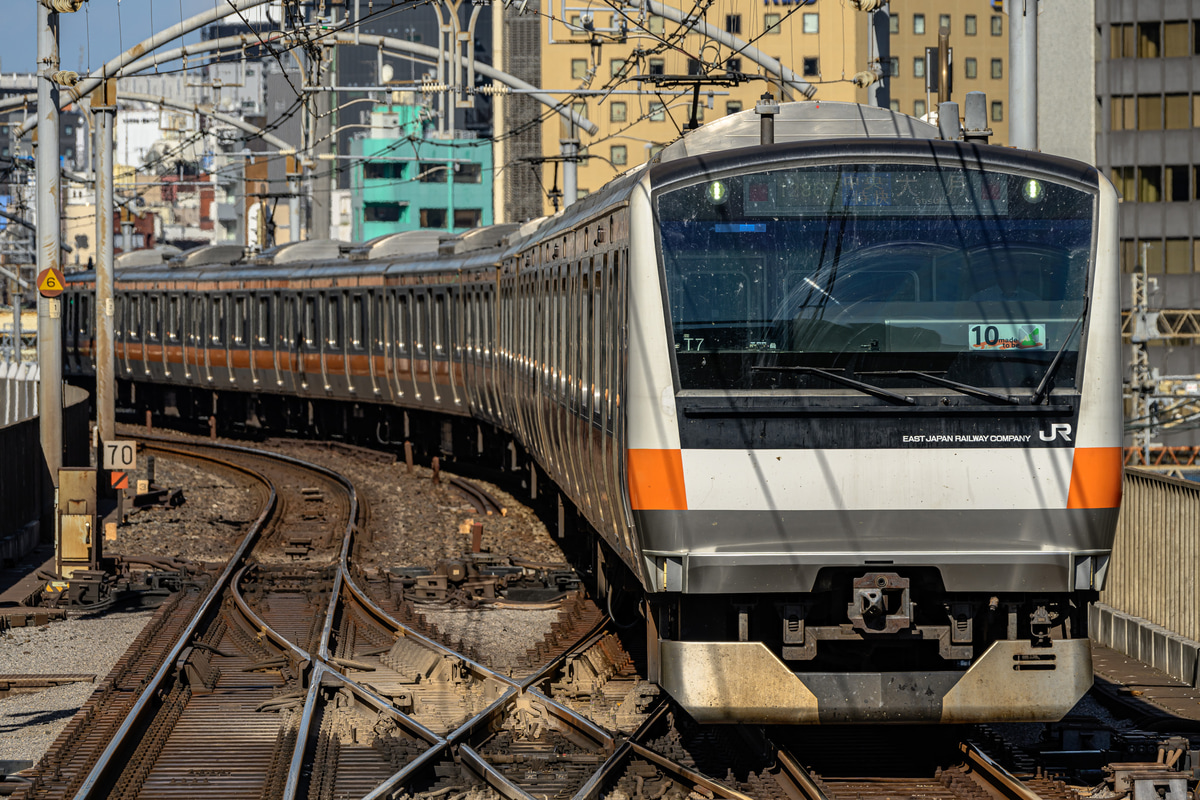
[101,26]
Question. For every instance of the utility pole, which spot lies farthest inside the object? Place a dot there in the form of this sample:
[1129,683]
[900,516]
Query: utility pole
[104,106]
[569,144]
[49,249]
[1022,71]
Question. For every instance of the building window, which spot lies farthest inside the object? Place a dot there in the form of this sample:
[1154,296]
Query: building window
[656,66]
[997,68]
[619,155]
[812,67]
[943,22]
[1149,39]
[1175,40]
[657,114]
[918,108]
[894,66]
[580,109]
[894,24]
[919,66]
[1124,179]
[1175,183]
[383,212]
[433,217]
[469,172]
[1177,110]
[733,107]
[997,25]
[1121,43]
[970,25]
[733,65]
[693,66]
[771,23]
[918,24]
[467,217]
[894,105]
[997,111]
[1149,112]
[971,68]
[1178,254]
[656,25]
[383,171]
[733,24]
[618,67]
[431,172]
[1149,184]
[1124,117]
[578,68]
[812,23]
[616,112]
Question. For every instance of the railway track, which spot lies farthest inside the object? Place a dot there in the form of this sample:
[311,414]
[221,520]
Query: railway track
[296,674]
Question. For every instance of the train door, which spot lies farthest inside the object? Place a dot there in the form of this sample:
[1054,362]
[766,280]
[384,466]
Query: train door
[309,347]
[155,351]
[400,361]
[373,340]
[187,345]
[171,334]
[285,341]
[355,345]
[265,355]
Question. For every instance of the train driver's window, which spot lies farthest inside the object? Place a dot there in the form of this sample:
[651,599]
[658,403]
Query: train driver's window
[264,321]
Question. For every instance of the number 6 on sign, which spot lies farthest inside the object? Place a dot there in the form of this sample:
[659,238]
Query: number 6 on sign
[120,456]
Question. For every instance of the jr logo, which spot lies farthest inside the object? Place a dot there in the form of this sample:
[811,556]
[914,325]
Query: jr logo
[1056,429]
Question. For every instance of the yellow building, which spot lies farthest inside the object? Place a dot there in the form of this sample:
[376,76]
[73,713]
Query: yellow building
[595,48]
[979,41]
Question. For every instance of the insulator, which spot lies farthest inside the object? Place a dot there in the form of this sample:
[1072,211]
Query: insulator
[868,5]
[429,88]
[865,78]
[493,89]
[63,6]
[65,77]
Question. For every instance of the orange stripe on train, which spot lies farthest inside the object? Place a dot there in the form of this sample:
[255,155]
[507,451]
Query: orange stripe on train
[1095,478]
[656,480]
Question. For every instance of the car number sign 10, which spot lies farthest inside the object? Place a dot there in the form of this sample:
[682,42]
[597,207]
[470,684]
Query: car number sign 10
[121,455]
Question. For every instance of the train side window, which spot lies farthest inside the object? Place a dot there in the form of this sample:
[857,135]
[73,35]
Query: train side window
[85,317]
[419,317]
[264,321]
[377,320]
[154,323]
[216,329]
[135,317]
[239,320]
[402,323]
[334,319]
[597,316]
[310,321]
[356,321]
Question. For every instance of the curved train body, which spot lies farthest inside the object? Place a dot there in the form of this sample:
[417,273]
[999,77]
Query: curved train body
[847,406]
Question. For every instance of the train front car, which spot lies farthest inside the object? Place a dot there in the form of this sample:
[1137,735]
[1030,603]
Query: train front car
[874,422]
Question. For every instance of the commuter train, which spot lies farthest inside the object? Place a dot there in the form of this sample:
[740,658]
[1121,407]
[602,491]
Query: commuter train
[844,408]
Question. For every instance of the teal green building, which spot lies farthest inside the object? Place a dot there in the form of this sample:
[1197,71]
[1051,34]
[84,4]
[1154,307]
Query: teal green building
[402,180]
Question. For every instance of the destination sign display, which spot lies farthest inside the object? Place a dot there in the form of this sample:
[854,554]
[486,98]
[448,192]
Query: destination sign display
[896,192]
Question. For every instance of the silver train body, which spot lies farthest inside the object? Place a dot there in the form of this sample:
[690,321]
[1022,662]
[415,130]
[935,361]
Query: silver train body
[845,407]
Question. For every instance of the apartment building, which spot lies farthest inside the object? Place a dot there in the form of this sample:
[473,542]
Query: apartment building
[598,49]
[979,45]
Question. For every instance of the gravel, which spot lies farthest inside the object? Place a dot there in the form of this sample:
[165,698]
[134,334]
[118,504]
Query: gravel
[504,634]
[91,644]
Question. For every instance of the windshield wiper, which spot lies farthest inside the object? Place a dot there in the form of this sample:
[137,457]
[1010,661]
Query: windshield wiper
[865,388]
[964,388]
[1043,388]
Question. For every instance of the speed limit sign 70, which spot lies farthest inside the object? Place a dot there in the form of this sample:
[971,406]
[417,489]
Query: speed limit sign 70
[120,456]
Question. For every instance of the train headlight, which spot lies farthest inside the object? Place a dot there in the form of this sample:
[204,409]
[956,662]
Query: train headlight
[1033,191]
[717,193]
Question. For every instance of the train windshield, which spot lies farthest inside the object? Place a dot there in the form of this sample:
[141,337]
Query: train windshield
[875,269]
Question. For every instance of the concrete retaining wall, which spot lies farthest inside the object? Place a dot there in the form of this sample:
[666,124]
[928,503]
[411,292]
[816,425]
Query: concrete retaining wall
[1151,644]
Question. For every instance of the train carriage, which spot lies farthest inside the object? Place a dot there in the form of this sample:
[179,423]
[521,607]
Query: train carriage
[844,407]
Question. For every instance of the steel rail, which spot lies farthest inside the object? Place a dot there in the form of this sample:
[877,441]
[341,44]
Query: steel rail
[140,706]
[997,776]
